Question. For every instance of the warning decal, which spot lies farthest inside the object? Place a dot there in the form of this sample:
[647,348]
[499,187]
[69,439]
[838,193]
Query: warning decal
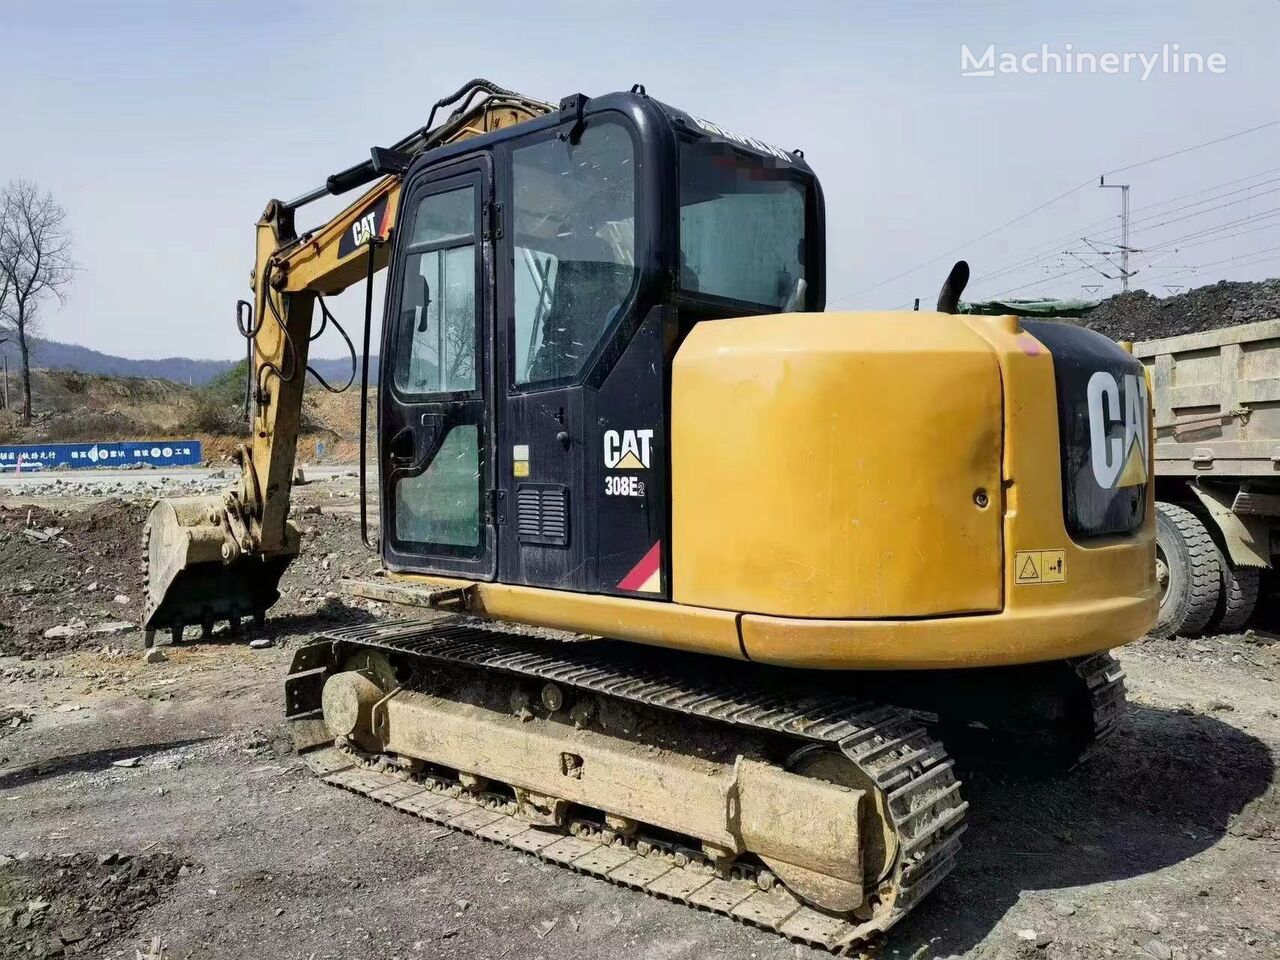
[1040,566]
[645,576]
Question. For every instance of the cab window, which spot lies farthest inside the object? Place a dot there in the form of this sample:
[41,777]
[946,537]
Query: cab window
[436,343]
[742,227]
[574,243]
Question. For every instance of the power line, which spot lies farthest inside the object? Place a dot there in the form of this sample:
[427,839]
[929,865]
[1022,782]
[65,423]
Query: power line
[1201,213]
[1047,280]
[1237,257]
[1053,250]
[1196,193]
[1241,260]
[1049,203]
[954,250]
[1196,234]
[1231,236]
[1198,146]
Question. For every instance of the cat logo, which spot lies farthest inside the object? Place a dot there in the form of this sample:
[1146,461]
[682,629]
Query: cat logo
[1118,430]
[373,221]
[364,230]
[628,450]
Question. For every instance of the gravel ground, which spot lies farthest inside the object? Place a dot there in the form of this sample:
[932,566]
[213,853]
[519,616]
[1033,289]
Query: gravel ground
[179,777]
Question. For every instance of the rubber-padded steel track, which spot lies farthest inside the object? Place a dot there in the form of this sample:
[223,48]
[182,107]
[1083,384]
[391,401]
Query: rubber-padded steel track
[911,771]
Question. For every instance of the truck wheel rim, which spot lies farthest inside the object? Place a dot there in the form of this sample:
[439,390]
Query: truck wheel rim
[1162,574]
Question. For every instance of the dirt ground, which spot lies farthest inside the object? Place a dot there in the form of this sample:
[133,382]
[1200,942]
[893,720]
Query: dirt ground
[158,810]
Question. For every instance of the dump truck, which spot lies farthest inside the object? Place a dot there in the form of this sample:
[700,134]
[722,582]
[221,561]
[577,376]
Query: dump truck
[696,568]
[1217,462]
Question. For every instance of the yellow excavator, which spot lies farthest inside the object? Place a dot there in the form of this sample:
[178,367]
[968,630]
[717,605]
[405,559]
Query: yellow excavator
[692,571]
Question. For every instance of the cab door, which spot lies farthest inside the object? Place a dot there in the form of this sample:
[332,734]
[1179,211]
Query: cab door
[435,431]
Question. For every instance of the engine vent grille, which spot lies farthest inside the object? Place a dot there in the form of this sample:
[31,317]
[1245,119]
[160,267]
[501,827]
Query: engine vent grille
[542,514]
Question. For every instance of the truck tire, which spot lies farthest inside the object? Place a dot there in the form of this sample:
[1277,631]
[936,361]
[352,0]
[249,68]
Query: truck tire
[1188,570]
[1237,598]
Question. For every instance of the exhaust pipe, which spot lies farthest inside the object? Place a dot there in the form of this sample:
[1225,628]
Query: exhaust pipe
[949,296]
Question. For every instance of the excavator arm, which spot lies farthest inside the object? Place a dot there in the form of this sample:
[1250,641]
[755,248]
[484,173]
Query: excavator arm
[209,559]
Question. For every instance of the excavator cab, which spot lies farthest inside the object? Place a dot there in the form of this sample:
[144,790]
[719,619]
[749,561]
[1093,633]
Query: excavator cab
[542,279]
[545,265]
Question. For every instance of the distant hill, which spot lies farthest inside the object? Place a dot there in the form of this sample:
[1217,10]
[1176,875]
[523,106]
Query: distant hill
[52,355]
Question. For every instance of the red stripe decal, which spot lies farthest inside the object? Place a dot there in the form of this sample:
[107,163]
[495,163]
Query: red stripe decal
[643,570]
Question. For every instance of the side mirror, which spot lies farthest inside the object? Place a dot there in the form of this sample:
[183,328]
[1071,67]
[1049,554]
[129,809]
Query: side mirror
[426,300]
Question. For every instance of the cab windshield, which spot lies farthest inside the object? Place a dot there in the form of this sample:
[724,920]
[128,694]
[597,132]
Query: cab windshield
[742,227]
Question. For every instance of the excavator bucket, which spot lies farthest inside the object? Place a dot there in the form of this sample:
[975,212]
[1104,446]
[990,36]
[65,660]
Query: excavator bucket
[196,575]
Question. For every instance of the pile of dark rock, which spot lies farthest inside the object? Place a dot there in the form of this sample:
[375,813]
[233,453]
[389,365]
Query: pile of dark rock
[1138,315]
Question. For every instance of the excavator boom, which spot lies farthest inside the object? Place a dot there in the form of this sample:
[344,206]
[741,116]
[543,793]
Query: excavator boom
[209,559]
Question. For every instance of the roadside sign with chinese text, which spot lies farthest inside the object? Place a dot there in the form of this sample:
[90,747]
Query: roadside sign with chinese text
[115,453]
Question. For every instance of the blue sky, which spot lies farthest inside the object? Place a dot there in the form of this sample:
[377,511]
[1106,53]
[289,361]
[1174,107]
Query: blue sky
[165,127]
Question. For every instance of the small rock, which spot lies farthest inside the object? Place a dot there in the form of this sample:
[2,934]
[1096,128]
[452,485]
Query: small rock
[1043,940]
[279,911]
[153,655]
[64,632]
[1029,935]
[1158,949]
[114,628]
[1063,909]
[121,599]
[260,643]
[127,762]
[1151,923]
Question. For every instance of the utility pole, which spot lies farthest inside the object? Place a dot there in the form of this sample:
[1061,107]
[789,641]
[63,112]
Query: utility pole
[1124,228]
[4,399]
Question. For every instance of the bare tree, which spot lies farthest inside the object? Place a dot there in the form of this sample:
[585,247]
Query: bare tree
[35,263]
[4,302]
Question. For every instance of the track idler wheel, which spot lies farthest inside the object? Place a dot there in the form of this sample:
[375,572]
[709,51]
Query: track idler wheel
[879,843]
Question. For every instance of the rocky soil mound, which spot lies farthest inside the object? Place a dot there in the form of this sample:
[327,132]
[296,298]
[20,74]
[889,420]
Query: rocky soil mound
[72,577]
[65,567]
[1140,316]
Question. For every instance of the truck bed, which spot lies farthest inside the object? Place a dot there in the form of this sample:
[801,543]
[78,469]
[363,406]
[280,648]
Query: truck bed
[1217,401]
